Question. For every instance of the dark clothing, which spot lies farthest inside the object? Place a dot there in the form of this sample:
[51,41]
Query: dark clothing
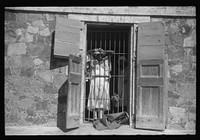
[111,121]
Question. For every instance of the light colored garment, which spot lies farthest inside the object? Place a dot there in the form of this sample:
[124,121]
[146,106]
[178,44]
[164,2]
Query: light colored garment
[99,86]
[122,82]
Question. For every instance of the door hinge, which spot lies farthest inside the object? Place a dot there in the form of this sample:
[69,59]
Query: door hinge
[136,29]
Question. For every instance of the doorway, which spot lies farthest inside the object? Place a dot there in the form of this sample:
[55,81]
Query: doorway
[115,38]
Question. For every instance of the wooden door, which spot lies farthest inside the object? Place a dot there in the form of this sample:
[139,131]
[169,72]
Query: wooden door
[150,82]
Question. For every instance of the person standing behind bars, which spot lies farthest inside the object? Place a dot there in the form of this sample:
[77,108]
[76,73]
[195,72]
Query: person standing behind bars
[99,98]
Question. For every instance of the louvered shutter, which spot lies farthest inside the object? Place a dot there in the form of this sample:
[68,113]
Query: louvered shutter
[150,92]
[67,36]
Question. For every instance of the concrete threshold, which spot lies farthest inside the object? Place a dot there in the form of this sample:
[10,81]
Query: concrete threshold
[88,129]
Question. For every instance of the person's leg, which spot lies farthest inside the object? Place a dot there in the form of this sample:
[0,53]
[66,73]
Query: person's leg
[100,113]
[95,114]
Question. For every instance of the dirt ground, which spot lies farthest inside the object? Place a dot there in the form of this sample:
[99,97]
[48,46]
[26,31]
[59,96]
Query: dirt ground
[88,129]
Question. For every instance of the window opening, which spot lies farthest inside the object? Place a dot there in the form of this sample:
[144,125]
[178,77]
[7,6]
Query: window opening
[116,40]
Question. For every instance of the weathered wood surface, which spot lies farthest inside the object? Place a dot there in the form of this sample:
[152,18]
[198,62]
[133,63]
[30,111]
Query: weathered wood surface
[124,10]
[150,76]
[67,41]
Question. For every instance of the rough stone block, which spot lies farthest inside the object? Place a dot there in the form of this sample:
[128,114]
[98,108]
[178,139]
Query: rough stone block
[19,32]
[187,90]
[17,49]
[22,17]
[14,118]
[38,23]
[177,112]
[192,109]
[177,68]
[35,49]
[37,61]
[8,39]
[26,103]
[40,120]
[31,112]
[42,105]
[7,72]
[50,17]
[28,37]
[178,55]
[172,102]
[45,32]
[175,126]
[192,116]
[46,75]
[27,61]
[177,39]
[10,33]
[190,126]
[171,94]
[189,79]
[15,61]
[27,72]
[59,79]
[33,30]
[9,16]
[32,17]
[191,22]
[50,89]
[52,26]
[45,54]
[189,42]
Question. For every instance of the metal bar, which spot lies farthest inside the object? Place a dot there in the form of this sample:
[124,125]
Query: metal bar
[124,45]
[117,69]
[131,80]
[119,72]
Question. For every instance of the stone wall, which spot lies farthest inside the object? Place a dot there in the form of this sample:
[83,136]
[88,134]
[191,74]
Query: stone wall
[31,85]
[33,76]
[180,41]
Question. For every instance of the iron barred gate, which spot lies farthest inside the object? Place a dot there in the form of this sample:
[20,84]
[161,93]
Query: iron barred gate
[117,40]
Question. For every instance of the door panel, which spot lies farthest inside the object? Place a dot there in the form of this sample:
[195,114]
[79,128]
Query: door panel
[67,36]
[74,91]
[150,77]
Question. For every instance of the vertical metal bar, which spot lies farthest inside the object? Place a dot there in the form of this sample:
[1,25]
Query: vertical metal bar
[132,41]
[119,73]
[89,100]
[95,39]
[123,71]
[114,33]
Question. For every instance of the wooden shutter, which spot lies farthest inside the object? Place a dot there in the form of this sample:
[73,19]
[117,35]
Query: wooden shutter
[150,93]
[67,36]
[74,92]
[70,95]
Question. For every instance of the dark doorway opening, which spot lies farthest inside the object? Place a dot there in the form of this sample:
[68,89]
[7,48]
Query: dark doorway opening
[117,39]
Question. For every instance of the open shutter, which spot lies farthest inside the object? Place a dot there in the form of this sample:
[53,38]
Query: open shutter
[150,93]
[67,36]
[69,95]
[74,92]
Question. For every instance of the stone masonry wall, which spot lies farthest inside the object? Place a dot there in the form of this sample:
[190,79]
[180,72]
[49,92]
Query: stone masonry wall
[31,85]
[180,41]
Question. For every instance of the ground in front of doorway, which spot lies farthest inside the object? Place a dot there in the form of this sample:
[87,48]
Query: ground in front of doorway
[88,129]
